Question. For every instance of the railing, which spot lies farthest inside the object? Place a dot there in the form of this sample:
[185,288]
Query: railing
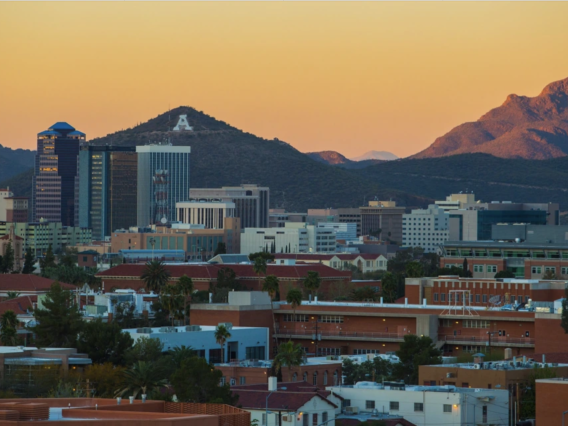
[340,334]
[484,339]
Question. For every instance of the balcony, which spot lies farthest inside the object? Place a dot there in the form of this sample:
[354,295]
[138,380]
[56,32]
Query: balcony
[340,335]
[522,342]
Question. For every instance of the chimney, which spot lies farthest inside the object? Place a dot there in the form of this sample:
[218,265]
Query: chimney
[543,358]
[315,299]
[272,383]
[423,302]
[210,297]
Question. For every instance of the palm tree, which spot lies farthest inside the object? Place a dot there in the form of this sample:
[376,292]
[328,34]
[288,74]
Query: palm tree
[271,286]
[171,300]
[289,355]
[141,377]
[312,282]
[294,299]
[12,295]
[259,267]
[8,328]
[180,354]
[186,287]
[155,276]
[221,336]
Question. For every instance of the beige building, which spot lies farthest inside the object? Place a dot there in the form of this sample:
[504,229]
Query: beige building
[17,245]
[13,209]
[382,219]
[197,242]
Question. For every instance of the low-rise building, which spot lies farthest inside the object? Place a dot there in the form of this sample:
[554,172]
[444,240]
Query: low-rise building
[427,405]
[244,343]
[340,261]
[551,396]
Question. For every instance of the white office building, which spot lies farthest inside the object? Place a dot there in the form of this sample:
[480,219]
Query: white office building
[244,343]
[211,214]
[284,240]
[426,228]
[320,240]
[428,405]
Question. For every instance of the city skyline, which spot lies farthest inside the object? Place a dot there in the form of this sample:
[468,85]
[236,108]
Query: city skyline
[389,76]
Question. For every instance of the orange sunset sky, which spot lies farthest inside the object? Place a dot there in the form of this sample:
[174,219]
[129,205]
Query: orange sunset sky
[347,76]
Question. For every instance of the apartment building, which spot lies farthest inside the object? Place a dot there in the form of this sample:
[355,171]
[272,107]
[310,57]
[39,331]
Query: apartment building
[426,228]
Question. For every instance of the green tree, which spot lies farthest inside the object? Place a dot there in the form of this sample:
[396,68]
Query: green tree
[186,288]
[221,336]
[564,315]
[549,275]
[414,269]
[268,257]
[12,295]
[104,342]
[29,261]
[289,355]
[155,276]
[271,285]
[142,377]
[415,351]
[528,391]
[68,274]
[104,379]
[197,381]
[398,263]
[9,328]
[504,274]
[465,266]
[145,349]
[7,264]
[172,300]
[259,267]
[221,248]
[389,288]
[312,282]
[294,299]
[354,372]
[179,354]
[48,261]
[430,263]
[69,256]
[383,369]
[59,321]
[364,294]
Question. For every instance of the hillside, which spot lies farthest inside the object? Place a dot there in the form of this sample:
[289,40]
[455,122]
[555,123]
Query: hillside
[491,178]
[334,158]
[523,127]
[223,155]
[20,184]
[13,161]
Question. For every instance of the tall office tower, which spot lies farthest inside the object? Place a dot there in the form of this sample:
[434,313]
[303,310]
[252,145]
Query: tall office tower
[251,202]
[53,191]
[382,219]
[106,189]
[163,180]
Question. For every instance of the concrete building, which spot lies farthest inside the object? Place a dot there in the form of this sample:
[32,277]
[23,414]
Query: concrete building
[426,228]
[428,405]
[350,215]
[294,403]
[280,240]
[244,343]
[251,202]
[53,184]
[340,261]
[197,242]
[13,209]
[38,236]
[163,181]
[456,201]
[551,396]
[320,240]
[210,214]
[106,189]
[382,219]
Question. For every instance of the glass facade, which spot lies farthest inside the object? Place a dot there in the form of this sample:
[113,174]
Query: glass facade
[486,218]
[53,192]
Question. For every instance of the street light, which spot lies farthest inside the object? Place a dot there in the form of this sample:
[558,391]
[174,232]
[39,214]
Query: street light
[563,414]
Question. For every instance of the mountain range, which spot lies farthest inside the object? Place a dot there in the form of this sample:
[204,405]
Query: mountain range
[13,161]
[523,127]
[375,155]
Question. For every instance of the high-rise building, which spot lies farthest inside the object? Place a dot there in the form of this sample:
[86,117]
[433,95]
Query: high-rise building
[210,214]
[426,228]
[163,180]
[350,215]
[251,202]
[382,219]
[53,191]
[106,195]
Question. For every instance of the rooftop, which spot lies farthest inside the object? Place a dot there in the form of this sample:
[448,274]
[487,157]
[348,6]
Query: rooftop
[517,364]
[406,388]
[185,329]
[61,125]
[28,283]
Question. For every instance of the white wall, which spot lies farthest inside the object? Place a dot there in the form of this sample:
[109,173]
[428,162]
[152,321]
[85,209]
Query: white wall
[315,406]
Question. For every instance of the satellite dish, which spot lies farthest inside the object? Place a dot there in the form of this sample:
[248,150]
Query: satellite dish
[164,220]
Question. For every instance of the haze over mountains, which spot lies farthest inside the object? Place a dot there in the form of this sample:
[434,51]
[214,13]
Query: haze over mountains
[375,155]
[523,127]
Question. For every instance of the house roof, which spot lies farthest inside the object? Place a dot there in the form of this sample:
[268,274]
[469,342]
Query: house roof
[242,271]
[28,282]
[256,399]
[315,256]
[62,125]
[19,305]
[8,237]
[387,422]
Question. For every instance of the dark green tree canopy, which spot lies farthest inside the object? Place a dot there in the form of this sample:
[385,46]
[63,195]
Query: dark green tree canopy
[104,342]
[29,261]
[415,351]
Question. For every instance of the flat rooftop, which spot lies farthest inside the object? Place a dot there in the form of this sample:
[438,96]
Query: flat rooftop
[182,329]
[403,388]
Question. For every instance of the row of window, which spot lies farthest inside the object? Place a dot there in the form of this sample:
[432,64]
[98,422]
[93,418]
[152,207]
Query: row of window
[395,406]
[467,323]
[297,318]
[481,268]
[538,269]
[479,298]
[365,351]
[336,319]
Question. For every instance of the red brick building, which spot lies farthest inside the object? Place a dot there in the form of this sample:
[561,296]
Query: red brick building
[205,275]
[551,401]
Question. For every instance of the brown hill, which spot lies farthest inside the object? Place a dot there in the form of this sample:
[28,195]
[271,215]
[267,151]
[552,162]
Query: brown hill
[523,127]
[328,157]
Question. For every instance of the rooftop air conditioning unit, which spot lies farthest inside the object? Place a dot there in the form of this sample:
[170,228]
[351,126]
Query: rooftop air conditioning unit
[477,366]
[144,330]
[168,329]
[193,328]
[352,410]
[228,325]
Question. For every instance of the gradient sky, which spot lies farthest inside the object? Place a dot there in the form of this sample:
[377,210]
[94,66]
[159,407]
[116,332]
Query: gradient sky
[350,77]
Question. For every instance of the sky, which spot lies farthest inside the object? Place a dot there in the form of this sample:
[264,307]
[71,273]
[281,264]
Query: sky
[344,76]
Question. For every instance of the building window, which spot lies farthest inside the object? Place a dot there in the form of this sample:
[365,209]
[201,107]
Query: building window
[295,377]
[331,318]
[550,269]
[477,298]
[335,378]
[442,297]
[465,385]
[447,408]
[491,268]
[314,419]
[263,418]
[419,407]
[315,378]
[435,297]
[324,417]
[242,380]
[306,420]
[370,405]
[255,352]
[484,298]
[305,377]
[478,268]
[536,270]
[393,406]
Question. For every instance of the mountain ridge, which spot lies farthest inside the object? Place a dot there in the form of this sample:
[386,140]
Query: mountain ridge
[522,127]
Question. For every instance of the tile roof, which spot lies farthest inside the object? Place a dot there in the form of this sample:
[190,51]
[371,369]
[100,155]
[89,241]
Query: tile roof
[19,305]
[242,271]
[315,256]
[8,237]
[28,282]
